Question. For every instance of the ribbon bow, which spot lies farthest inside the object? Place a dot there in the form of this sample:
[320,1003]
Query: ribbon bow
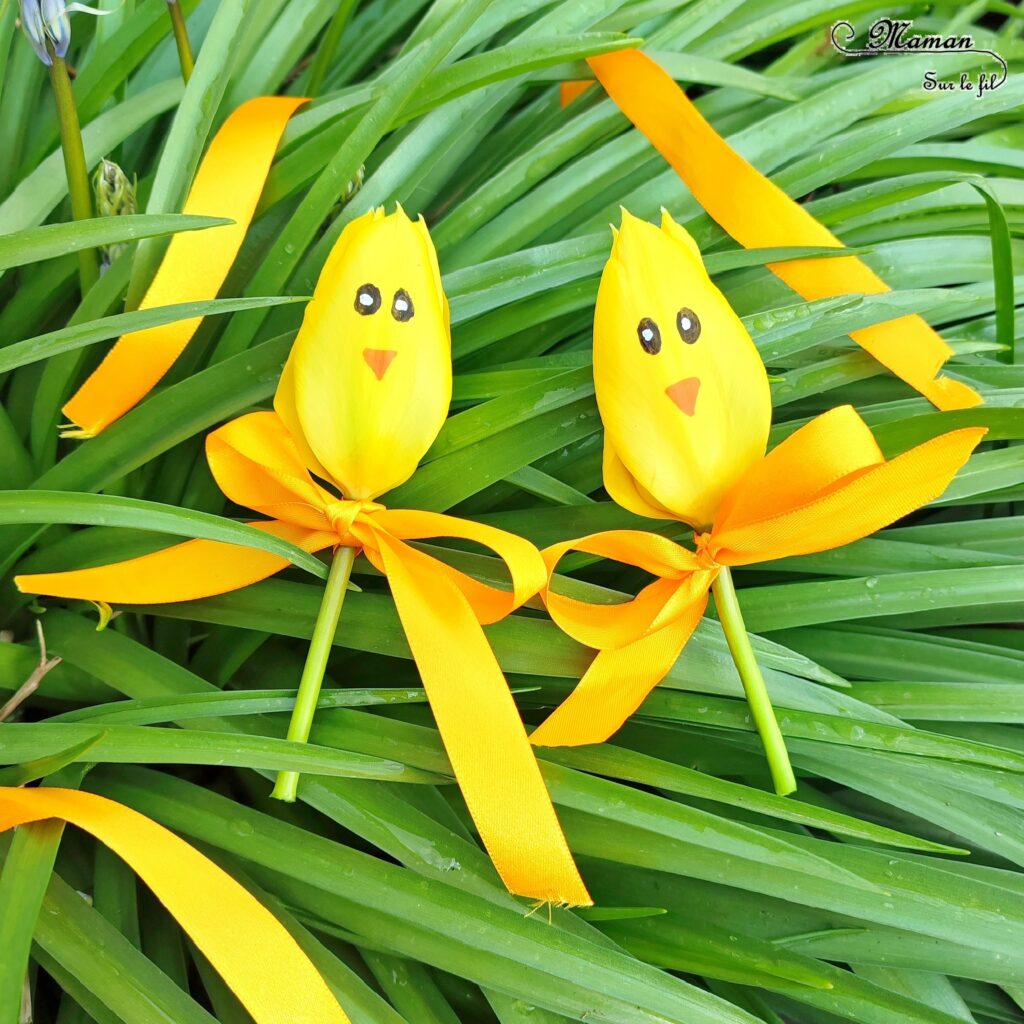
[826,485]
[256,463]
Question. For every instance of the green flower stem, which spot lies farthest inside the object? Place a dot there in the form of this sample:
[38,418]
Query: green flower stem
[308,696]
[328,46]
[74,163]
[185,58]
[753,682]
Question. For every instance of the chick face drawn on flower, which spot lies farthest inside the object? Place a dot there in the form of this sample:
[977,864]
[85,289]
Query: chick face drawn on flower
[681,388]
[369,379]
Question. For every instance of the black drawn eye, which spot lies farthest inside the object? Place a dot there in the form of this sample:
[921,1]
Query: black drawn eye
[401,306]
[689,325]
[649,335]
[367,299]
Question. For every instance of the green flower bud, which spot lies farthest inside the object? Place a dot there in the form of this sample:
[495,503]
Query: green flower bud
[354,185]
[115,192]
[115,197]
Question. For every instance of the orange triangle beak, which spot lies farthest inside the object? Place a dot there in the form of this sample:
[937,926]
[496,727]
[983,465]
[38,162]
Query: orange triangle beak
[684,394]
[378,360]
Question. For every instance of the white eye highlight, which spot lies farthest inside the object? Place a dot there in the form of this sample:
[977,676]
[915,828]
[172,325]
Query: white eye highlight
[367,299]
[688,325]
[401,307]
[649,335]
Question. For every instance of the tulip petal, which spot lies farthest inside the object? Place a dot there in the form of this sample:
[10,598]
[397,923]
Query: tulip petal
[625,491]
[185,572]
[284,406]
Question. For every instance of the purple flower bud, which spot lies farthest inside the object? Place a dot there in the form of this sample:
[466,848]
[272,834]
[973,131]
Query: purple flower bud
[46,21]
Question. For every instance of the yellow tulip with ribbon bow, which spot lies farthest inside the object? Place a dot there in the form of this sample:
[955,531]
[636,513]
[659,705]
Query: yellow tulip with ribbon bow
[250,949]
[363,395]
[685,403]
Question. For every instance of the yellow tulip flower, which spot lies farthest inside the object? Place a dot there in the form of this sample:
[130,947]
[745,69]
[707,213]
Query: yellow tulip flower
[686,407]
[682,391]
[373,358]
[364,393]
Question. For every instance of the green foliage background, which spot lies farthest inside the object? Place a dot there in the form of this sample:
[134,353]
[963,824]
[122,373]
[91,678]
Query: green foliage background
[888,891]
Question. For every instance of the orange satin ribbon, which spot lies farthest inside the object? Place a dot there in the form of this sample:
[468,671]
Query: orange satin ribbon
[251,950]
[256,463]
[568,91]
[228,184]
[758,214]
[824,486]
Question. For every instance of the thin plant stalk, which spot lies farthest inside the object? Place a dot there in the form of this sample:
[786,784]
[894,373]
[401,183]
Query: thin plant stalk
[306,700]
[74,163]
[181,39]
[736,636]
[328,46]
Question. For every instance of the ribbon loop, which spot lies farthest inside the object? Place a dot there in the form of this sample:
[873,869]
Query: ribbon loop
[611,626]
[638,641]
[490,604]
[828,511]
[821,454]
[256,464]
